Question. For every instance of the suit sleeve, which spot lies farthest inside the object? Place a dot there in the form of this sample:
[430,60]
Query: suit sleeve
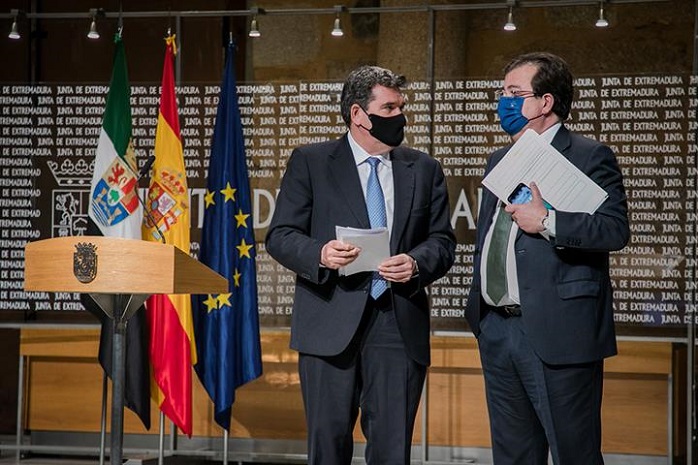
[607,229]
[288,239]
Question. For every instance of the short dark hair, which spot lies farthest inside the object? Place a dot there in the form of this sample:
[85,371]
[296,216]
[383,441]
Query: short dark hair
[358,87]
[553,77]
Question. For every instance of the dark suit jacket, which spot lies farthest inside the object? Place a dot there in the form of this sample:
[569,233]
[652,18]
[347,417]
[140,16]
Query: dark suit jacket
[564,284]
[320,190]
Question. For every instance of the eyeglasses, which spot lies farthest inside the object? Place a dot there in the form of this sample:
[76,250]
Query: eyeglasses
[514,93]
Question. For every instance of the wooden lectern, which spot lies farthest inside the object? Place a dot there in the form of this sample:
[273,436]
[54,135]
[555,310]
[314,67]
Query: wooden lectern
[119,274]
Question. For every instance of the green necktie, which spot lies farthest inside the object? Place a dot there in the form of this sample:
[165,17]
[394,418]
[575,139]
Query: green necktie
[497,257]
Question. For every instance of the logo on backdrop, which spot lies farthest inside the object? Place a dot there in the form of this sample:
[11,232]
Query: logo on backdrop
[71,199]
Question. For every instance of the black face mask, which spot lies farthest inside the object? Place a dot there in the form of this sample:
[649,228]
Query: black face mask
[390,130]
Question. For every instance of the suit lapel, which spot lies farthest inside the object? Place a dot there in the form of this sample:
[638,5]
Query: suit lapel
[486,213]
[489,200]
[403,188]
[342,167]
[562,140]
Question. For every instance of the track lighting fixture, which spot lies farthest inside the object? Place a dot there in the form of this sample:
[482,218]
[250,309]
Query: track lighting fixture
[14,30]
[254,30]
[510,25]
[602,21]
[337,30]
[254,26]
[93,33]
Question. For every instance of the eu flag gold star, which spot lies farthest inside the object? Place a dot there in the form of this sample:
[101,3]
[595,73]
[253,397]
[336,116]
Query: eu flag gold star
[228,193]
[208,198]
[244,248]
[241,219]
[224,299]
[236,278]
[211,303]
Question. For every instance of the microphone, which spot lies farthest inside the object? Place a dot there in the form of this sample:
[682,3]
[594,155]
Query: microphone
[143,171]
[146,167]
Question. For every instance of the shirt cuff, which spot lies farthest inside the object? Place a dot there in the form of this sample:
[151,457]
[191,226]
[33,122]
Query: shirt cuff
[550,230]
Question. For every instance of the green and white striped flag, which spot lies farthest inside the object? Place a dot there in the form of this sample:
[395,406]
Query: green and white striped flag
[114,205]
[115,211]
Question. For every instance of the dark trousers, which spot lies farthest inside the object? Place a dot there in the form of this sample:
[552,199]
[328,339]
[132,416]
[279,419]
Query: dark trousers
[373,374]
[534,407]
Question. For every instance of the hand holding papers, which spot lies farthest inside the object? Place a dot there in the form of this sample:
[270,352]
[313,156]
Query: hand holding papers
[374,245]
[562,184]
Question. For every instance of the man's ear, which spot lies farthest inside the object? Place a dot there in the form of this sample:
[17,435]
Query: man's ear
[549,103]
[359,116]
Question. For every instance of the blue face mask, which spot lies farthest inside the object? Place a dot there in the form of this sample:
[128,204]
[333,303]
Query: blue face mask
[510,117]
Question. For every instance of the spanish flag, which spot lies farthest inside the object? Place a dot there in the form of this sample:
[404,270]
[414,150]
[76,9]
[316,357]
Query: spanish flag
[172,345]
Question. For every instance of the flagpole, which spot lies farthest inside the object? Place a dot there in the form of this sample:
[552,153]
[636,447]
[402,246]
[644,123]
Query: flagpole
[225,447]
[103,422]
[174,431]
[119,370]
[161,442]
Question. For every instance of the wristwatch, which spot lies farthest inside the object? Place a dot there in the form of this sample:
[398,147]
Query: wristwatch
[415,267]
[546,221]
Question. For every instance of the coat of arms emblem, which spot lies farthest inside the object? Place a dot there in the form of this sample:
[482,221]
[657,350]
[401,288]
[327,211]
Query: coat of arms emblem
[85,262]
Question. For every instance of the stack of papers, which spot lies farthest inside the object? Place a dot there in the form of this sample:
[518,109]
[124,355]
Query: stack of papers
[562,185]
[374,245]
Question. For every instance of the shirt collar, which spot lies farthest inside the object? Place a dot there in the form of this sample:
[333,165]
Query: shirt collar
[360,155]
[549,134]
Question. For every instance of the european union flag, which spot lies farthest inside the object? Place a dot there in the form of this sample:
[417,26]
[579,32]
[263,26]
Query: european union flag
[227,325]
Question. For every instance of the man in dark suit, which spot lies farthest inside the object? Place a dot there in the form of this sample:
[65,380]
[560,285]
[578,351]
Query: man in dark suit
[363,339]
[541,299]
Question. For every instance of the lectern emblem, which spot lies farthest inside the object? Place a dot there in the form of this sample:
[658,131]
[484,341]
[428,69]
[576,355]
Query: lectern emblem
[85,262]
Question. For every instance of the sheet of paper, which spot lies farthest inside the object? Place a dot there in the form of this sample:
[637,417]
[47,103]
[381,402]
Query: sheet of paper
[374,245]
[561,184]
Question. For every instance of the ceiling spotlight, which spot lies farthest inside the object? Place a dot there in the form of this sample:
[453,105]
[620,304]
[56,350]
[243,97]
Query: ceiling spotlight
[94,33]
[254,26]
[254,29]
[337,28]
[14,31]
[510,25]
[601,22]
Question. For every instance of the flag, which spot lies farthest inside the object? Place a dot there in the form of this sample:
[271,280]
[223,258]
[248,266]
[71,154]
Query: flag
[227,325]
[172,347]
[114,210]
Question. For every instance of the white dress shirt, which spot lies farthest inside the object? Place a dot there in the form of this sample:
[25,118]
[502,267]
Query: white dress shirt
[385,176]
[511,297]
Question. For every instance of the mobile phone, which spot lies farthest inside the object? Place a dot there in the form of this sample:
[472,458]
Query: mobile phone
[522,194]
